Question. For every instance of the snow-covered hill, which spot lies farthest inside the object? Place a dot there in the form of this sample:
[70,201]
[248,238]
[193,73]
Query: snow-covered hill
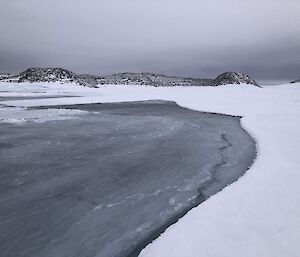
[295,81]
[64,76]
[234,78]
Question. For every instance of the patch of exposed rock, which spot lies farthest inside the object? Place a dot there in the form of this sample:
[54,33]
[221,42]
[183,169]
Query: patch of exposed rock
[295,81]
[234,78]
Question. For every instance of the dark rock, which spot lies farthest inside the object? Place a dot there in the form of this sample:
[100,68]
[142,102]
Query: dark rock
[46,75]
[295,81]
[234,78]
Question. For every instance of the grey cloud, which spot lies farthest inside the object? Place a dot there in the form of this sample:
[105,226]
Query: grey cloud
[185,38]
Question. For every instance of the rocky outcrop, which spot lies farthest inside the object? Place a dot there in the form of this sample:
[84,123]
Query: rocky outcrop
[234,78]
[152,79]
[65,76]
[295,81]
[46,75]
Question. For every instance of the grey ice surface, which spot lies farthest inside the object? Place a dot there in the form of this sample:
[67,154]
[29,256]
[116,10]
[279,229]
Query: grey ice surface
[108,183]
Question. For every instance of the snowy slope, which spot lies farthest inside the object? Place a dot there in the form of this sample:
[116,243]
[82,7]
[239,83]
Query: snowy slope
[259,215]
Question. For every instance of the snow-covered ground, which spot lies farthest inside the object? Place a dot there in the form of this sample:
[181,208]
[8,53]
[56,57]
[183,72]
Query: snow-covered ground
[259,215]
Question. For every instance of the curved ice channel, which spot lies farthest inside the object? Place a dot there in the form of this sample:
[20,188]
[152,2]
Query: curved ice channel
[109,182]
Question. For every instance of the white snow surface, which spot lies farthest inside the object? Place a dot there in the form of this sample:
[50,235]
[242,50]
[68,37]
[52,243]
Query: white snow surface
[257,216]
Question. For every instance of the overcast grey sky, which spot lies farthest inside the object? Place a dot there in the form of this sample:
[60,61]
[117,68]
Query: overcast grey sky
[197,38]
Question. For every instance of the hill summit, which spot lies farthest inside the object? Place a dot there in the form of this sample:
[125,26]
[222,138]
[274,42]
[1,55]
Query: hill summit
[295,81]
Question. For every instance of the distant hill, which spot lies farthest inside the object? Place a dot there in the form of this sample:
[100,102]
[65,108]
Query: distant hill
[295,81]
[65,76]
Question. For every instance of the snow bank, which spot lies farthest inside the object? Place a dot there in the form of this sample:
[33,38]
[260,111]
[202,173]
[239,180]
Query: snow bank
[259,215]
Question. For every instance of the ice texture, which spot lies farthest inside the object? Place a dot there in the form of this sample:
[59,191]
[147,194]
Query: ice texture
[108,182]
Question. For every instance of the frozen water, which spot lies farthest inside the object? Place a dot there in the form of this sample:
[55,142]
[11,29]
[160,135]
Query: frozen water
[108,182]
